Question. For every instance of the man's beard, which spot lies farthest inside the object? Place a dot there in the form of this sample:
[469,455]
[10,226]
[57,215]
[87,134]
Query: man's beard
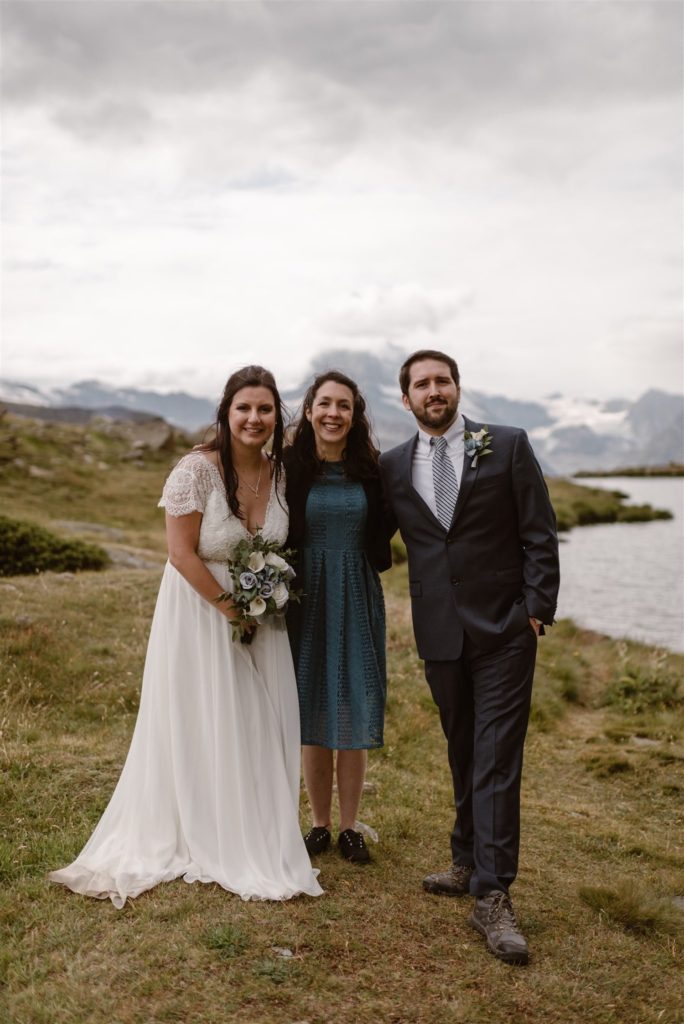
[437,414]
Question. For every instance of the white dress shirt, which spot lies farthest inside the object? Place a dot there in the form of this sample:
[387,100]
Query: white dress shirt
[421,469]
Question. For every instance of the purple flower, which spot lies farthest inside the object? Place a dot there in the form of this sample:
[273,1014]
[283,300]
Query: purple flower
[248,580]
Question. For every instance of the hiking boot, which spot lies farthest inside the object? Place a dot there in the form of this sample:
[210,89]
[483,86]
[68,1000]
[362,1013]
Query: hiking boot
[455,881]
[493,916]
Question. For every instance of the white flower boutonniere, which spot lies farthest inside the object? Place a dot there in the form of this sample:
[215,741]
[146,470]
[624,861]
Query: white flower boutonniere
[477,445]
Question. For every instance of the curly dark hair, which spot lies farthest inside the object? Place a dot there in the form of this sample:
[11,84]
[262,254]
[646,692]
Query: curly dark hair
[360,454]
[247,377]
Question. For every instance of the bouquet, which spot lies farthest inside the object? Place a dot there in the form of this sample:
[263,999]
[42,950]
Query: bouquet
[261,579]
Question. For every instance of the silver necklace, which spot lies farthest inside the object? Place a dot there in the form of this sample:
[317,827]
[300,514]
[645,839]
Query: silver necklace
[255,490]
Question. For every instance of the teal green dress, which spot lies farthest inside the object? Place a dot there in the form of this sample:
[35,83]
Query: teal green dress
[340,653]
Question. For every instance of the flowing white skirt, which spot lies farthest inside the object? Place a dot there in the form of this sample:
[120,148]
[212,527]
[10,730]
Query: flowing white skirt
[210,787]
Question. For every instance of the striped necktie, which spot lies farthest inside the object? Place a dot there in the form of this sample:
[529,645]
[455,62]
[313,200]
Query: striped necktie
[444,481]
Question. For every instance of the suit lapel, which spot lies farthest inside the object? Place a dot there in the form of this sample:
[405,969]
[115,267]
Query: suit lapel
[407,475]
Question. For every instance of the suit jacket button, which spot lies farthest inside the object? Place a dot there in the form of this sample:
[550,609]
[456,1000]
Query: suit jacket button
[455,582]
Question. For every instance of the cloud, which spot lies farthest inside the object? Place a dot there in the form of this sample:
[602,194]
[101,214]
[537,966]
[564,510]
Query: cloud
[392,314]
[341,70]
[226,177]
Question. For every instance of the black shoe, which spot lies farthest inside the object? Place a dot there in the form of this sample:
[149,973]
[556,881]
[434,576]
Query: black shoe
[317,840]
[353,847]
[455,881]
[493,916]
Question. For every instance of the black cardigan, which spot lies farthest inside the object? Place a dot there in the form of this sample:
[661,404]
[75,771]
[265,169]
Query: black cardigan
[299,481]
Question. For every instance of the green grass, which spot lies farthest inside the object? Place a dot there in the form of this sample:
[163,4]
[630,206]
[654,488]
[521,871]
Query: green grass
[375,945]
[601,859]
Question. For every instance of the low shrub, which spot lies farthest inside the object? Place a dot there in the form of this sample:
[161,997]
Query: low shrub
[26,549]
[637,689]
[642,514]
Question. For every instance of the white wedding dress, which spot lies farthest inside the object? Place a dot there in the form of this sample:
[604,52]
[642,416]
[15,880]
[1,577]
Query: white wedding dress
[210,787]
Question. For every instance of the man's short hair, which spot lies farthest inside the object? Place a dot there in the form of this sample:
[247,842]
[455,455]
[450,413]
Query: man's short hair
[426,353]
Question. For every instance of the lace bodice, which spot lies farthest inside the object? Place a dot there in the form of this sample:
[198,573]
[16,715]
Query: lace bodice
[195,485]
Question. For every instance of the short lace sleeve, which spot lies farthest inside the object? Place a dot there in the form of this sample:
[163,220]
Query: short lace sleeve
[188,486]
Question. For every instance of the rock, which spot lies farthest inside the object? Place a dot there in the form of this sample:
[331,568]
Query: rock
[23,620]
[128,559]
[39,473]
[9,588]
[76,526]
[644,741]
[153,435]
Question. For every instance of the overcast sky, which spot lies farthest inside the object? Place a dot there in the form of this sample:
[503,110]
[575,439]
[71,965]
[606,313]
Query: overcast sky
[188,186]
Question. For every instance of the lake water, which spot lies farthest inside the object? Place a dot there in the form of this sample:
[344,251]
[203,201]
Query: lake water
[627,579]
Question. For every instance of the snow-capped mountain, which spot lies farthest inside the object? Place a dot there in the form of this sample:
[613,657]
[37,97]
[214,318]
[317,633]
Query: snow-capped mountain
[568,434]
[179,408]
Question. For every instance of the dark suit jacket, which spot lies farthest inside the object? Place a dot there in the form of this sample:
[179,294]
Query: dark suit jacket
[496,566]
[297,486]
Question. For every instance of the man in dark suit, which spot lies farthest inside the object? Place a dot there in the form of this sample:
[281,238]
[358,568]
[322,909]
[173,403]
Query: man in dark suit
[474,512]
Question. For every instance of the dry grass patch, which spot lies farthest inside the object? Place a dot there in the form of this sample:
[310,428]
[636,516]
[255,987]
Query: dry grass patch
[634,908]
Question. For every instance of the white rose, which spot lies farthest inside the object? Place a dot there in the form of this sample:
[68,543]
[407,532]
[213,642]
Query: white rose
[257,607]
[280,595]
[256,561]
[276,561]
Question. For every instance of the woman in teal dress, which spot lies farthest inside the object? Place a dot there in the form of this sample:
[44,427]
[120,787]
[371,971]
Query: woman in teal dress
[337,633]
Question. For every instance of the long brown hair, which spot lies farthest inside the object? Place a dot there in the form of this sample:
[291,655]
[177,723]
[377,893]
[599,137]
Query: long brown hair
[360,454]
[247,377]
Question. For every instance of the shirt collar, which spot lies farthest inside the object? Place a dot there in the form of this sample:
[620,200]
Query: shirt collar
[454,434]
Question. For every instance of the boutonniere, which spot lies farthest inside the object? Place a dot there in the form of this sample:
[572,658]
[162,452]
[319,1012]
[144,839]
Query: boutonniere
[477,445]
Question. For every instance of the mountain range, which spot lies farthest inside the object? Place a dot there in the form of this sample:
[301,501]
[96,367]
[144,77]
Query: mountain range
[568,434]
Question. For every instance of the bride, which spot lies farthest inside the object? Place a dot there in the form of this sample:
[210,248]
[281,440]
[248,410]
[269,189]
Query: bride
[210,787]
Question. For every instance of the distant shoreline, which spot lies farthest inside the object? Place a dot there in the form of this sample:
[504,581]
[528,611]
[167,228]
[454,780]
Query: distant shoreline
[671,469]
[576,504]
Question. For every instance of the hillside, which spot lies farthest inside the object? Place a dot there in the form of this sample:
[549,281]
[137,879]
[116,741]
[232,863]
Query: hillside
[101,481]
[601,861]
[568,434]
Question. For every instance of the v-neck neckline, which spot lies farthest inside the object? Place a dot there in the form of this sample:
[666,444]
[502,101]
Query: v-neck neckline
[267,509]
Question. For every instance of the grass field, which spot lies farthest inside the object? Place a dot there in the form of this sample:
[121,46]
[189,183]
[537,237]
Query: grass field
[602,862]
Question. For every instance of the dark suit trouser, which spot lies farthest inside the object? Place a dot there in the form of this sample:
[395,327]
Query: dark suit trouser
[484,706]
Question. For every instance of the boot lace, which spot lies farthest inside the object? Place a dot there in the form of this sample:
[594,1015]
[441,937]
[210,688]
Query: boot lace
[501,911]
